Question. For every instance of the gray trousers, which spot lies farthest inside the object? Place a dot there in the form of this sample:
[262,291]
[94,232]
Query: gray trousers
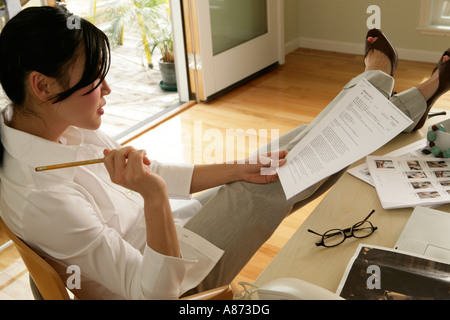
[239,217]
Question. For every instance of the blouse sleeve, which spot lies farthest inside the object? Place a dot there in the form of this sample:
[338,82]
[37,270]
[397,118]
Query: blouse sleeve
[178,178]
[70,231]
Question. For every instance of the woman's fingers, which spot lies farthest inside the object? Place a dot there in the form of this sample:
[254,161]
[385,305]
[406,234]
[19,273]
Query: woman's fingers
[123,164]
[273,159]
[135,161]
[120,156]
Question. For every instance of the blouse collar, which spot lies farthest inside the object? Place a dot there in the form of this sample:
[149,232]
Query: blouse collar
[34,151]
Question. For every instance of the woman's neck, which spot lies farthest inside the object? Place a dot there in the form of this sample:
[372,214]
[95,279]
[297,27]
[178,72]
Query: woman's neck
[36,124]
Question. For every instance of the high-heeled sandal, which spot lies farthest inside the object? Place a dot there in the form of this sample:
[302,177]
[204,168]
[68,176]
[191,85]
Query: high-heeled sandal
[444,86]
[382,44]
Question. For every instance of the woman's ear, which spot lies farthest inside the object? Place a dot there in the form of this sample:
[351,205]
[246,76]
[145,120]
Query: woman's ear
[41,86]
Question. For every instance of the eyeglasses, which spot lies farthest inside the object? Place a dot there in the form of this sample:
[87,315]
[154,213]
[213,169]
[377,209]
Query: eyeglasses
[335,237]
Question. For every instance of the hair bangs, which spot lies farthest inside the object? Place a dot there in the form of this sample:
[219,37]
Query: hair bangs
[95,50]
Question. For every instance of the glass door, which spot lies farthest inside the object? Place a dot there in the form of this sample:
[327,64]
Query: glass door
[230,40]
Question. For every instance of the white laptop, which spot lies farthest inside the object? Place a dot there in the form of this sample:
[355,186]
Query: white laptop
[427,233]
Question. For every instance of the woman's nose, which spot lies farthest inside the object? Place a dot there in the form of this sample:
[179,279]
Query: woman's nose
[105,88]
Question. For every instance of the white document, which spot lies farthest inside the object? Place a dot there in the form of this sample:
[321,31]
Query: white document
[363,121]
[410,182]
[427,233]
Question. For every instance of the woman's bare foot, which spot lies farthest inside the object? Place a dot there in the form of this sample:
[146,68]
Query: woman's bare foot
[429,87]
[377,60]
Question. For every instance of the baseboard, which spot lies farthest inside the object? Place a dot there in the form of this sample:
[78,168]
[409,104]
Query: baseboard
[353,48]
[291,46]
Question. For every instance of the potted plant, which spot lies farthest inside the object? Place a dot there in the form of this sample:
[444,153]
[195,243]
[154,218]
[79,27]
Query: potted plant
[150,19]
[163,39]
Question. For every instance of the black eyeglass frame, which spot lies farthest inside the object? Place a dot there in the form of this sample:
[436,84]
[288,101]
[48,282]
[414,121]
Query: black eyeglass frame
[344,232]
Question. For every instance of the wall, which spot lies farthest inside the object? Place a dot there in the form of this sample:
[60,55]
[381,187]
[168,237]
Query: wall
[340,25]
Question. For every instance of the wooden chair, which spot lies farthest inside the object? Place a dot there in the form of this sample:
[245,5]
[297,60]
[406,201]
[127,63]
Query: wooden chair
[42,275]
[46,284]
[220,293]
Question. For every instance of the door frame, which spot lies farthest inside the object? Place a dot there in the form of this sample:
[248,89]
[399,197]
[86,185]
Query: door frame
[179,43]
[187,47]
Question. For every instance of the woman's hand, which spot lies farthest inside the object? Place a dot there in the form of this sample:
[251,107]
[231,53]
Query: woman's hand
[262,169]
[128,167]
[255,170]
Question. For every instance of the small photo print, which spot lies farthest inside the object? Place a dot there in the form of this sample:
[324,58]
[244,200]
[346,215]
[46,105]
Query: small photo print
[437,164]
[442,174]
[445,183]
[416,174]
[384,164]
[413,165]
[428,195]
[421,184]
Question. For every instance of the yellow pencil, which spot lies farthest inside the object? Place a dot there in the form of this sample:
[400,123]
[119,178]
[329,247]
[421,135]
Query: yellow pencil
[69,164]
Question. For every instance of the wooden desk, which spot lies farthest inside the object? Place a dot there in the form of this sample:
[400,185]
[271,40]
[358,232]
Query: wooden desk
[350,200]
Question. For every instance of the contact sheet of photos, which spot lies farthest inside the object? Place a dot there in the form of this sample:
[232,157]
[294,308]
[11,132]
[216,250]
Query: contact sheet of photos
[408,182]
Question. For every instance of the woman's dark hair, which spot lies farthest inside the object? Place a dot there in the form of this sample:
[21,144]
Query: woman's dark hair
[48,40]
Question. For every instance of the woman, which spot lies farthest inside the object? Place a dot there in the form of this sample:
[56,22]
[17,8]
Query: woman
[115,221]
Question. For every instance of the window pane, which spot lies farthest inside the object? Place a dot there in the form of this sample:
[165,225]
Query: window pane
[445,13]
[440,13]
[234,22]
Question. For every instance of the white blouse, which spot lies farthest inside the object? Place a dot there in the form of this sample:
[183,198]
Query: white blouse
[77,216]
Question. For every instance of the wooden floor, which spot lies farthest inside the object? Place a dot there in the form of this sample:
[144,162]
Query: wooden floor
[291,95]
